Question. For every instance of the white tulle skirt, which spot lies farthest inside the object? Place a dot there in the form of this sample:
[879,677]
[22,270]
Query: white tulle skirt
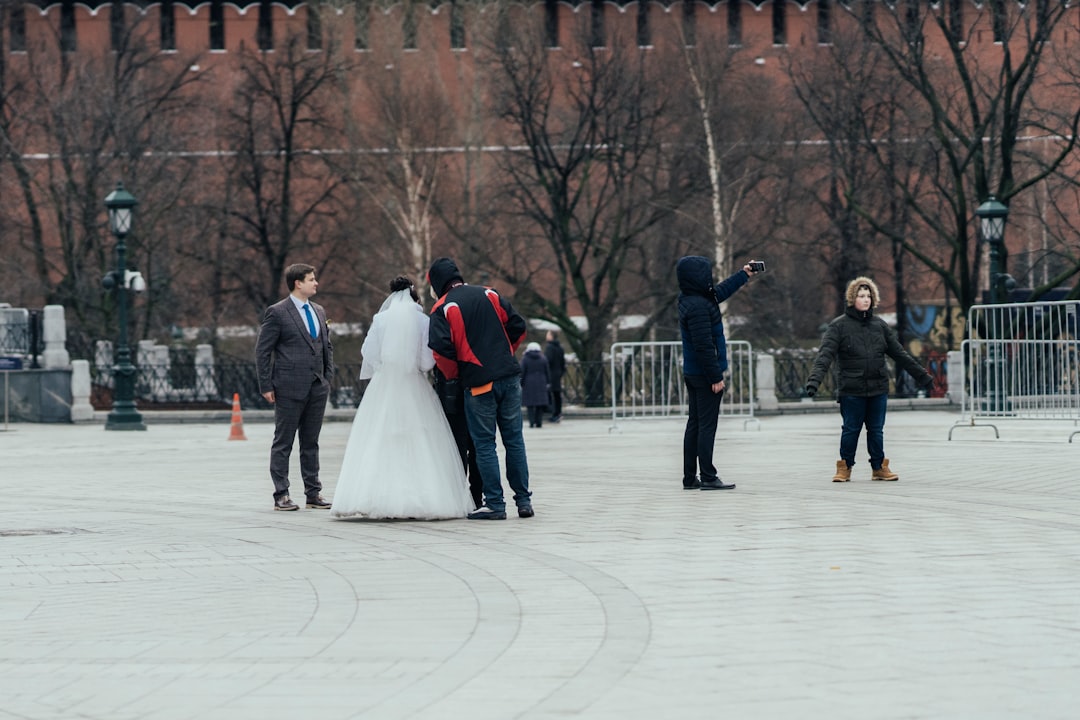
[401,460]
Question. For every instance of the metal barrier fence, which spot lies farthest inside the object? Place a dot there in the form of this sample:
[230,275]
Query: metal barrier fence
[647,381]
[20,333]
[184,383]
[1021,361]
[180,381]
[175,377]
[793,367]
[7,392]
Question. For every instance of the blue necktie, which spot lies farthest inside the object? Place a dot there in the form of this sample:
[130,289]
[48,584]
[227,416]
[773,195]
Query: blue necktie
[310,322]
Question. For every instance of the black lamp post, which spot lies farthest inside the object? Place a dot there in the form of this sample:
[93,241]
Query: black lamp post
[992,216]
[124,416]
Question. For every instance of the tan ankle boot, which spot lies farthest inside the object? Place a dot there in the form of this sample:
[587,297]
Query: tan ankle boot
[884,473]
[843,472]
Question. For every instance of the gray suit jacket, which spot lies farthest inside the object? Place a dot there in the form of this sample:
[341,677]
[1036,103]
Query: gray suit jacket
[288,360]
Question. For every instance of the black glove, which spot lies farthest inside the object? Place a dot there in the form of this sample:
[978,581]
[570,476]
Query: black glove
[810,391]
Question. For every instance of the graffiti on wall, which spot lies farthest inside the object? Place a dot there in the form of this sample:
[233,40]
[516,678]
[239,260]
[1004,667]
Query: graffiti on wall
[930,327]
[929,339]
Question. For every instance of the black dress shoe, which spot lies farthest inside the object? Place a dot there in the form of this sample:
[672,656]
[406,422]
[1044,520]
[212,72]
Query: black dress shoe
[716,484]
[318,503]
[284,503]
[694,484]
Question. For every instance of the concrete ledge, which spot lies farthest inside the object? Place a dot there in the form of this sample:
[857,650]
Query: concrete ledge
[36,395]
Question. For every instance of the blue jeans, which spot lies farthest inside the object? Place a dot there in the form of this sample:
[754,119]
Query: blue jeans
[859,411]
[501,407]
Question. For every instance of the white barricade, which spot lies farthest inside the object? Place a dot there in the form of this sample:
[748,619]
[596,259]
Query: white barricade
[647,381]
[1021,361]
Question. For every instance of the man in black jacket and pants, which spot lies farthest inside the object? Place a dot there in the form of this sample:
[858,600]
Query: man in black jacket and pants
[705,364]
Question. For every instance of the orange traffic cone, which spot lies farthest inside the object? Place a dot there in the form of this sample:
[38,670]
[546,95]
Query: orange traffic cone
[236,432]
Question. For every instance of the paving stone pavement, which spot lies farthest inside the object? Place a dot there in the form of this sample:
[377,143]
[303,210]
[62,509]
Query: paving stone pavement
[144,575]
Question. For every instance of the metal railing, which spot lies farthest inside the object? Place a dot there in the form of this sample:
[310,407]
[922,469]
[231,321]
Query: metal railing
[1021,361]
[647,381]
[20,333]
[792,368]
[178,380]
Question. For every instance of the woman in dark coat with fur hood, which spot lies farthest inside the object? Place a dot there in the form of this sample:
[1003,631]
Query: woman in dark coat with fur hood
[859,341]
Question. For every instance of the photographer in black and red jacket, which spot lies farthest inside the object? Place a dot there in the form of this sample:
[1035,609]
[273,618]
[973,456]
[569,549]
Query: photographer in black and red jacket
[474,334]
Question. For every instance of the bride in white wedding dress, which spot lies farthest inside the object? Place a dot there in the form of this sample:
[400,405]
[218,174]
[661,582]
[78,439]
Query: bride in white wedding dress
[401,460]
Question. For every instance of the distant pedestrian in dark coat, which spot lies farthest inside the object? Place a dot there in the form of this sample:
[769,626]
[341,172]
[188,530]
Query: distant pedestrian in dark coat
[535,383]
[557,367]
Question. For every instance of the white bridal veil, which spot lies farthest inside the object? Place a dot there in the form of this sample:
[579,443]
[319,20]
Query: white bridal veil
[397,338]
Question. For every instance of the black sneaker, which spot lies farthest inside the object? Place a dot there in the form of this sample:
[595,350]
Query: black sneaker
[486,513]
[525,511]
[716,484]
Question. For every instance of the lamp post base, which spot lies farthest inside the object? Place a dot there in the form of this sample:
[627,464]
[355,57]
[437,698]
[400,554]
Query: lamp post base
[125,420]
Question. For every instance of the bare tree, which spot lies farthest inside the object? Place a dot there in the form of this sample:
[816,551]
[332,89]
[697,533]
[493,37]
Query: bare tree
[69,131]
[1048,212]
[283,204]
[856,159]
[975,105]
[1052,257]
[399,156]
[587,178]
[732,141]
[731,107]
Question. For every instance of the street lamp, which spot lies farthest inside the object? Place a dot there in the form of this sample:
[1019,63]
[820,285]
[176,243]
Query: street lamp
[124,416]
[992,216]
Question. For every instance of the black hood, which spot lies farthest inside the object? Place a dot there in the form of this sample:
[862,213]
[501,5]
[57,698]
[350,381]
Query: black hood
[695,275]
[443,272]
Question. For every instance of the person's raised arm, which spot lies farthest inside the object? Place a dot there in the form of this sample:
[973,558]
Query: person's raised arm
[727,288]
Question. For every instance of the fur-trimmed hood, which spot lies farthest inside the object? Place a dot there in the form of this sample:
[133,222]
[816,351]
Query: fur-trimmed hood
[853,289]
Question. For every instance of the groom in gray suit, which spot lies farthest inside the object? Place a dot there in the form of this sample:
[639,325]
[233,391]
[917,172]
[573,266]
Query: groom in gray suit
[295,361]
